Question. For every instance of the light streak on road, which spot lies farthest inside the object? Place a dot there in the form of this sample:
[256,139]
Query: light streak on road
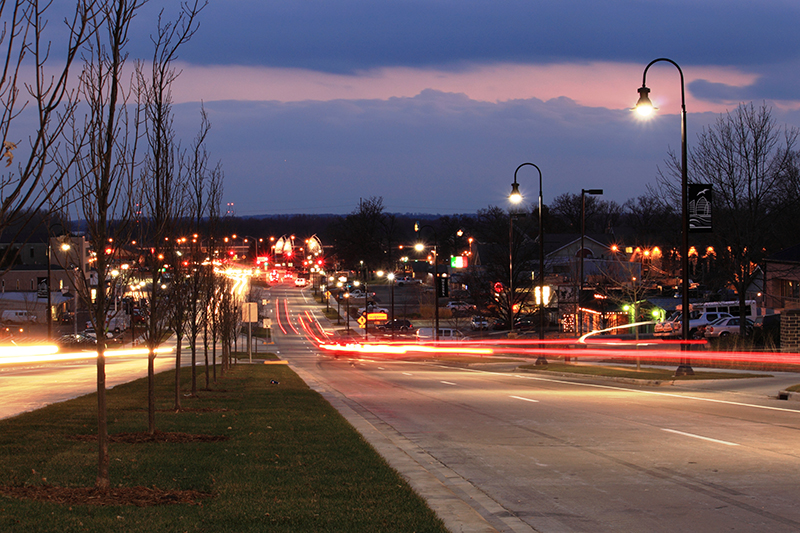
[402,349]
[288,319]
[448,383]
[662,351]
[278,315]
[49,354]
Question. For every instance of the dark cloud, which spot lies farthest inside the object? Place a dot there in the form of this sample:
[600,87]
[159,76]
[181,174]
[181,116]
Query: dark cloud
[351,35]
[774,83]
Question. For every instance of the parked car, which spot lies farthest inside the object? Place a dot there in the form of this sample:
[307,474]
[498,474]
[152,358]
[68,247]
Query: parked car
[398,324]
[77,342]
[358,293]
[767,330]
[479,322]
[726,326]
[525,323]
[445,334]
[499,324]
[458,306]
[406,280]
[674,327]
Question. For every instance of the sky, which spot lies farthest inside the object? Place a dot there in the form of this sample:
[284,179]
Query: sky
[433,104]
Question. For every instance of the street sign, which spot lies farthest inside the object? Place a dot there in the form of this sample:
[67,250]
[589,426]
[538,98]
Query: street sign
[42,288]
[250,312]
[376,316]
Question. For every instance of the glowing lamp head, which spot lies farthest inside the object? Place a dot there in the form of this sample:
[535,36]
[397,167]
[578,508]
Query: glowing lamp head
[515,197]
[419,247]
[644,107]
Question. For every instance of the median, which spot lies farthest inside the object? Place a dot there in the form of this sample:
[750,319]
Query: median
[259,451]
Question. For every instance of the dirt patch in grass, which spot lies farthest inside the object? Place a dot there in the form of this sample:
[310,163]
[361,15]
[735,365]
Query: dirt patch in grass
[137,496]
[158,436]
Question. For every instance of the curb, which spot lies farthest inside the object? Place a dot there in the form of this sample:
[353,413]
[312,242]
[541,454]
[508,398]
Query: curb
[789,395]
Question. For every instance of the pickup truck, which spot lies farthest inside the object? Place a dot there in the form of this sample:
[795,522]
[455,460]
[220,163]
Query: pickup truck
[358,293]
[674,328]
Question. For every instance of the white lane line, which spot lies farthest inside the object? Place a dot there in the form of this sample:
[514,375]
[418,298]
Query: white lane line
[447,382]
[407,374]
[381,368]
[653,393]
[709,439]
[524,399]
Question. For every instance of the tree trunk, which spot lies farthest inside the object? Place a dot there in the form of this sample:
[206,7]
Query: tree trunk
[103,481]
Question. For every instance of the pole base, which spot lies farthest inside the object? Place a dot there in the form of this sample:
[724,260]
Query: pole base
[684,369]
[541,361]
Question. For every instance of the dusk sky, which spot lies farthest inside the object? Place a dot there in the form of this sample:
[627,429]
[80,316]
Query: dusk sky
[432,104]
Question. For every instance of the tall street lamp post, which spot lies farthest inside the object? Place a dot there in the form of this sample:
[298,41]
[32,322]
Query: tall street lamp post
[390,277]
[645,108]
[584,192]
[346,297]
[516,197]
[418,228]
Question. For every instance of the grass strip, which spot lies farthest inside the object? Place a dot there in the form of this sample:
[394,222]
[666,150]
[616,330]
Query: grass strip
[291,463]
[646,373]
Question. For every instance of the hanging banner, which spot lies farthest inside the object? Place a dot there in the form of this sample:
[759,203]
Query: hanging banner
[699,201]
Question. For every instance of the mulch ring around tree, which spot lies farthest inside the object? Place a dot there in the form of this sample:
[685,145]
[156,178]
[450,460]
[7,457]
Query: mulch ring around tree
[158,436]
[138,496]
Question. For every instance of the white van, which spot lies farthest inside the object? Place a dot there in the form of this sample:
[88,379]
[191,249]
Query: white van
[17,316]
[445,334]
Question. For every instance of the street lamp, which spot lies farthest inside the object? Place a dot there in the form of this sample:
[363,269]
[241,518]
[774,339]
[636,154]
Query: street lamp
[419,228]
[516,197]
[390,277]
[346,297]
[584,192]
[645,108]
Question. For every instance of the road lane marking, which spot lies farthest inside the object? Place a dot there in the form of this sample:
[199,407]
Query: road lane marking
[407,374]
[709,439]
[447,382]
[654,393]
[524,399]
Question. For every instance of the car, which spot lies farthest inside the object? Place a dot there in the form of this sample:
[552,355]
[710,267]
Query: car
[499,324]
[726,326]
[767,330]
[77,342]
[398,324]
[358,293]
[406,280]
[479,322]
[525,323]
[457,306]
[372,308]
[300,282]
[674,328]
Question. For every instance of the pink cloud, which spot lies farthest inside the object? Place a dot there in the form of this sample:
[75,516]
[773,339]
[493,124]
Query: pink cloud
[601,84]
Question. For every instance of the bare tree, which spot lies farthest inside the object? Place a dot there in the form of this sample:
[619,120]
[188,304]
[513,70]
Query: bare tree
[162,188]
[198,210]
[104,149]
[42,105]
[748,160]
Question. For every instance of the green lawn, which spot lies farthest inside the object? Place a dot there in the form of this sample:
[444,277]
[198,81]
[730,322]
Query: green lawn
[291,463]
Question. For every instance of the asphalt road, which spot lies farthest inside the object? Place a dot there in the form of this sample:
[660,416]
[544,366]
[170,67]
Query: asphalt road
[31,386]
[528,452]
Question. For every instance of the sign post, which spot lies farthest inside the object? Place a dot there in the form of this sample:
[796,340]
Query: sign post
[250,315]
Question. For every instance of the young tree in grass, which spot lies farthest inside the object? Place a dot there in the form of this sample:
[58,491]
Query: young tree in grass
[163,191]
[104,147]
[210,277]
